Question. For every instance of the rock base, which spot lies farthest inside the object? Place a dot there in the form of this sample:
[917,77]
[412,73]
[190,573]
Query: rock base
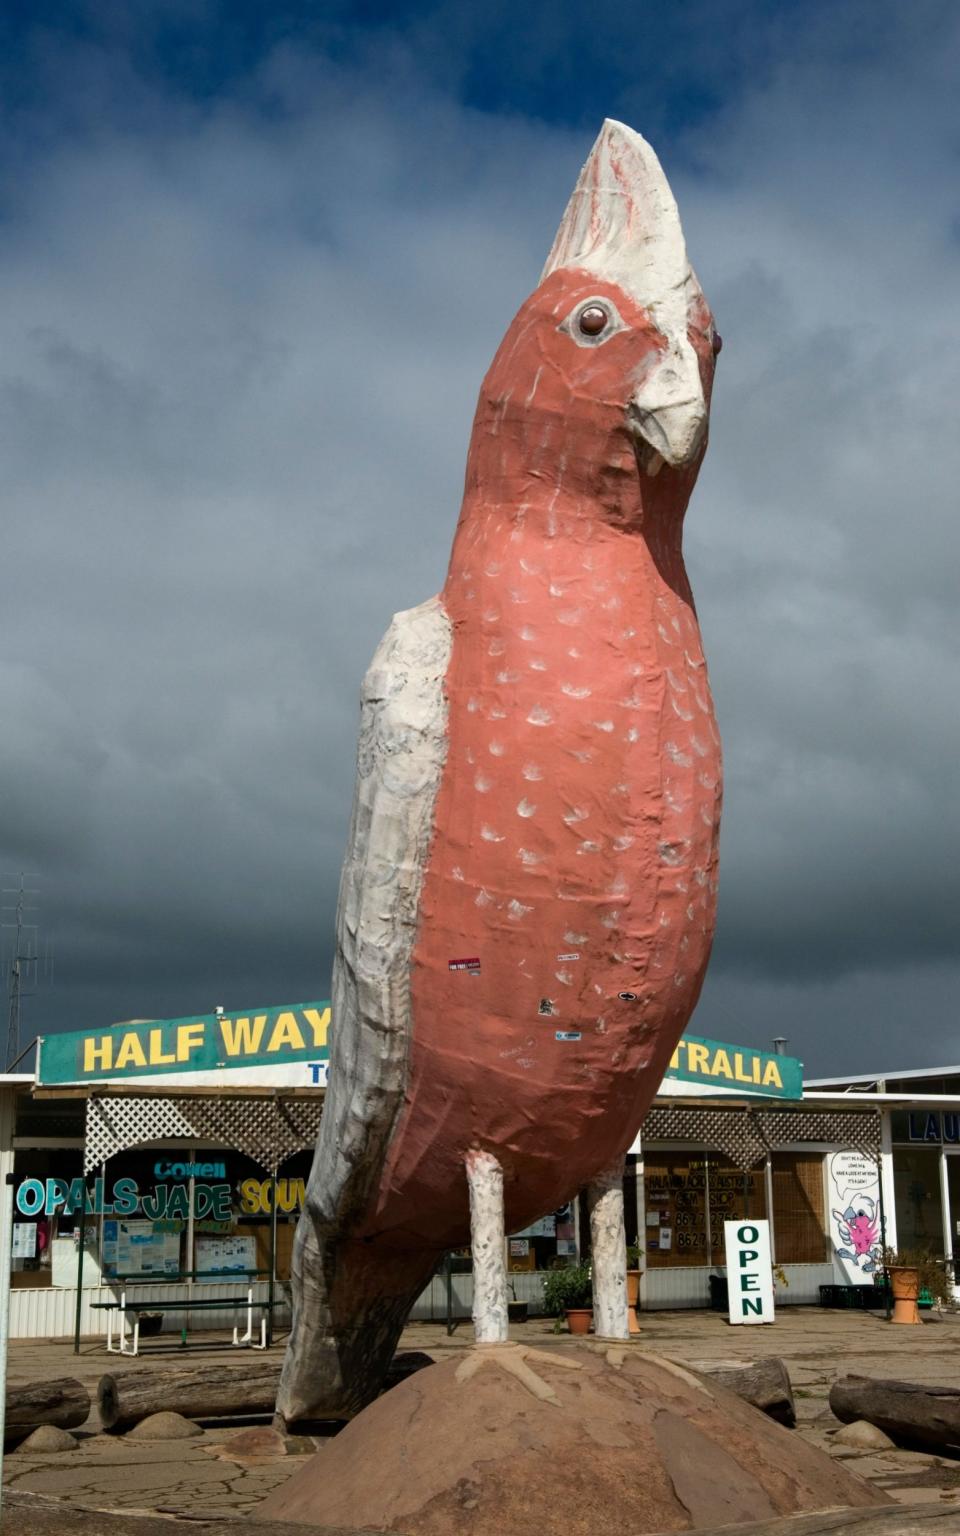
[564,1441]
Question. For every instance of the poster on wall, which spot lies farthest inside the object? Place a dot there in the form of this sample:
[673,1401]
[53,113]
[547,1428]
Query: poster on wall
[855,1215]
[545,1227]
[230,1258]
[24,1240]
[139,1248]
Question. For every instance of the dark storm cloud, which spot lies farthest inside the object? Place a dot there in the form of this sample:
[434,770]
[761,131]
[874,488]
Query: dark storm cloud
[243,336]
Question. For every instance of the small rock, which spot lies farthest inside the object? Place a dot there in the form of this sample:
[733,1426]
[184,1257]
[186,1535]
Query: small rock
[864,1437]
[48,1438]
[164,1426]
[256,1445]
[257,1442]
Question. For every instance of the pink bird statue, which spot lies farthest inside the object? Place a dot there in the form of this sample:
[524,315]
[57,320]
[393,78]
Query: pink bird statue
[528,895]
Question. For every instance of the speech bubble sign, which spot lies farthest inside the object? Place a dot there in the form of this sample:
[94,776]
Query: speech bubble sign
[852,1172]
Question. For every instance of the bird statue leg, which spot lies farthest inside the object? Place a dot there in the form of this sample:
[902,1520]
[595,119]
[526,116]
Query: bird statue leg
[485,1178]
[609,1246]
[351,1303]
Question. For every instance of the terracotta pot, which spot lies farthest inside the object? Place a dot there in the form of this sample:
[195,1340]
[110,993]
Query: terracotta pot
[905,1284]
[633,1296]
[579,1319]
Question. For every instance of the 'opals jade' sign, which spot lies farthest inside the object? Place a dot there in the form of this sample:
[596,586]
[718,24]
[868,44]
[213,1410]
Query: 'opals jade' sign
[204,1043]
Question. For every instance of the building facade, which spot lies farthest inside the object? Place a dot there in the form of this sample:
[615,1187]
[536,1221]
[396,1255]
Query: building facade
[171,1156]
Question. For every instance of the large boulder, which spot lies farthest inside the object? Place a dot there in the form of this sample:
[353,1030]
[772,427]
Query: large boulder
[564,1441]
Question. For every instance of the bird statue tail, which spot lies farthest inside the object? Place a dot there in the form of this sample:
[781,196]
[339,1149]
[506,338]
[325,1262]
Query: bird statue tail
[351,1302]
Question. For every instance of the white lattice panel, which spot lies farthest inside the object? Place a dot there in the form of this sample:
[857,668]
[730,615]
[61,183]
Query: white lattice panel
[114,1125]
[269,1130]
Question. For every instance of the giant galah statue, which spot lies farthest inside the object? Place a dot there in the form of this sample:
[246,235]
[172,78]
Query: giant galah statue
[527,900]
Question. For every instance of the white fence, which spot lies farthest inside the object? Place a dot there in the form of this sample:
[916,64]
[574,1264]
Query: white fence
[50,1313]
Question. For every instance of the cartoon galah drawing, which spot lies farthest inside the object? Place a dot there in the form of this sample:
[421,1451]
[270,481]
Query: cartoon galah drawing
[859,1225]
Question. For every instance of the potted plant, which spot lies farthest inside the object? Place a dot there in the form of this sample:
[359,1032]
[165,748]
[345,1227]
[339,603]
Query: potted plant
[634,1255]
[516,1310]
[569,1292]
[913,1271]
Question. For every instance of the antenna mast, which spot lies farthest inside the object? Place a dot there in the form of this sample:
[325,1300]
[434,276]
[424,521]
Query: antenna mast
[24,960]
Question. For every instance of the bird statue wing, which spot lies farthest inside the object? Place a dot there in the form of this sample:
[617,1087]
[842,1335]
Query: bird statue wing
[400,756]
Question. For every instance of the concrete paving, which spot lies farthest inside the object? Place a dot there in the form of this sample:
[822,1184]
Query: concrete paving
[201,1477]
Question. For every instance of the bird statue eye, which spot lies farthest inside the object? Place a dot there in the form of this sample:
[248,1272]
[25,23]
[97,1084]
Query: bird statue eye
[717,343]
[593,319]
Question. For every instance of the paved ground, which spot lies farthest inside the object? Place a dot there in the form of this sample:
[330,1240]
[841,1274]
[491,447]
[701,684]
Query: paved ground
[198,1477]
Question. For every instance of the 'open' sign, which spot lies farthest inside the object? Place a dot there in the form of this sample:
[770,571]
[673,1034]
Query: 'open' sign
[749,1273]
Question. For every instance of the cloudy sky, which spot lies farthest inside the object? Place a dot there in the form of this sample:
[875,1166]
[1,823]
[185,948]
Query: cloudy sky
[254,261]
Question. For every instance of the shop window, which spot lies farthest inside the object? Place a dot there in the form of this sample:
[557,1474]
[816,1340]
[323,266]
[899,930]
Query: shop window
[549,1242]
[799,1215]
[688,1197]
[41,1232]
[138,1215]
[916,1182]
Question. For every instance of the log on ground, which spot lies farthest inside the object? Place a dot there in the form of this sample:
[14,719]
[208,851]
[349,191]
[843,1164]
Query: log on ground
[764,1383]
[64,1402]
[213,1391]
[907,1411]
[197,1391]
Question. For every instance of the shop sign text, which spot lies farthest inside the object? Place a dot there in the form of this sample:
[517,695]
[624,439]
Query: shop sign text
[749,1275]
[736,1066]
[65,1197]
[210,1042]
[256,1196]
[924,1126]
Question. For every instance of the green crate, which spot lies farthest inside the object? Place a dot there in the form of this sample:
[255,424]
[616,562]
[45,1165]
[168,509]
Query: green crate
[852,1298]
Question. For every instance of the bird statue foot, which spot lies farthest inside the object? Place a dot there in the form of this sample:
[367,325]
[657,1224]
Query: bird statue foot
[514,1359]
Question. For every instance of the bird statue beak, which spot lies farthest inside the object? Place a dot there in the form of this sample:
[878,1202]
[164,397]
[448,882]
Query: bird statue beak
[668,413]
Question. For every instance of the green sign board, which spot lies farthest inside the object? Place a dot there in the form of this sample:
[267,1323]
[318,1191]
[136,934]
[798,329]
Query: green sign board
[212,1042]
[736,1066]
[296,1033]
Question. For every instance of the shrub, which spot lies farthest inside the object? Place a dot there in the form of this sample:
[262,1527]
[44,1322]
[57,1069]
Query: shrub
[931,1271]
[563,1288]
